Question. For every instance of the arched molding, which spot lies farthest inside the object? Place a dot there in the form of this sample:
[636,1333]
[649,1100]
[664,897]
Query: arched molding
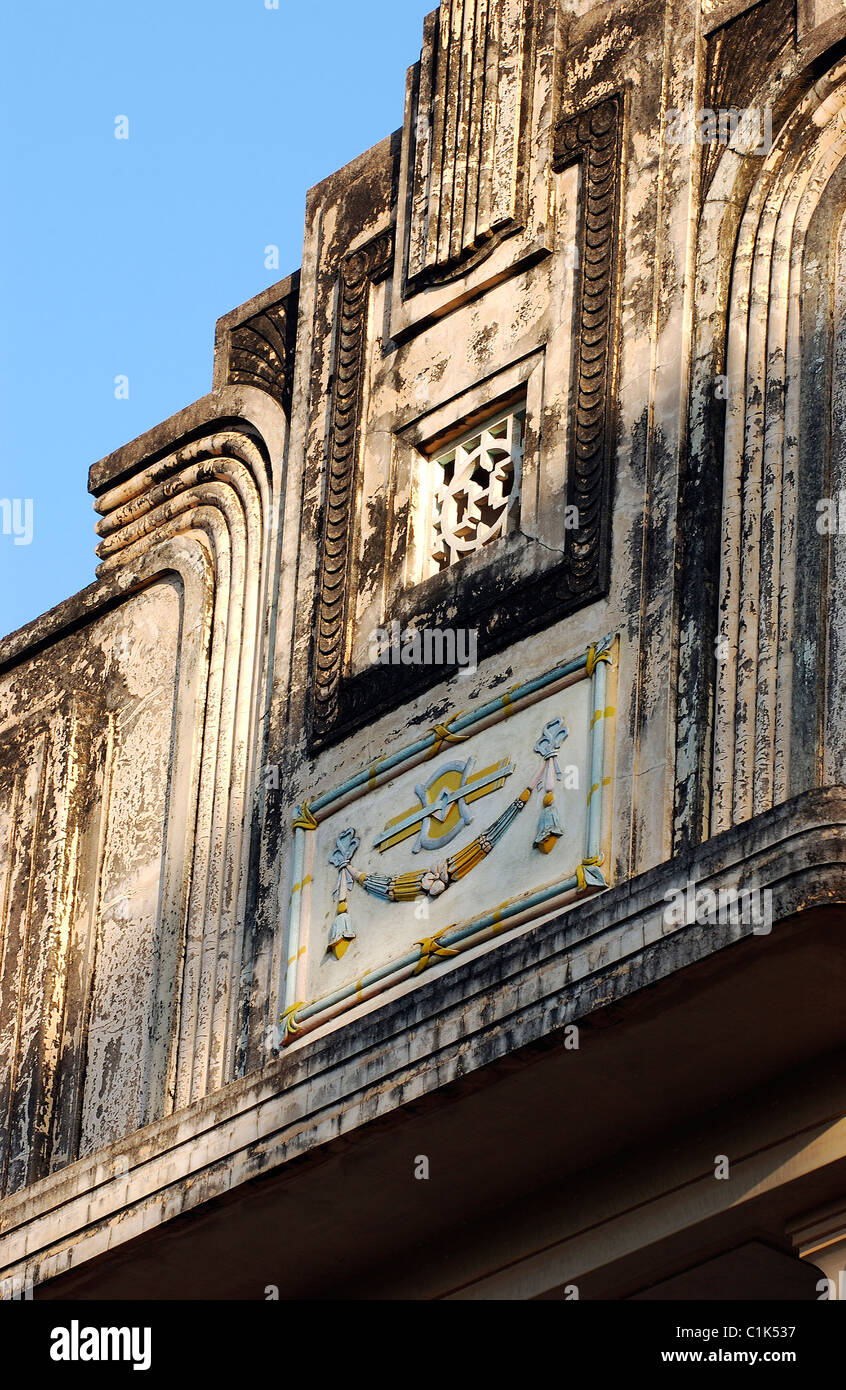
[214,492]
[737,720]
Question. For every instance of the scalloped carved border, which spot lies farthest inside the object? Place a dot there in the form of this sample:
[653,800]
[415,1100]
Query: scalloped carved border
[359,272]
[594,138]
[340,704]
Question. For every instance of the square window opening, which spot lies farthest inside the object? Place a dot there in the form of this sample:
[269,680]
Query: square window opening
[471,496]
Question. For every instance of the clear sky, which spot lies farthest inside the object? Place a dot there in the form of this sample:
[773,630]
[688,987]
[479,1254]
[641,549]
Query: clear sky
[118,255]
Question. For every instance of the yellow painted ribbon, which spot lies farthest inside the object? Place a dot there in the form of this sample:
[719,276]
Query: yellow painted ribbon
[607,713]
[593,657]
[430,946]
[291,1027]
[506,700]
[606,782]
[304,820]
[593,862]
[443,734]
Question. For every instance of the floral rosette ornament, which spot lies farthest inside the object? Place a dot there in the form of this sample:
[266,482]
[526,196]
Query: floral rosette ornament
[435,881]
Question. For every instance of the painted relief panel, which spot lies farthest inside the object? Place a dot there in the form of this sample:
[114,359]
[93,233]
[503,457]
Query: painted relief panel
[493,819]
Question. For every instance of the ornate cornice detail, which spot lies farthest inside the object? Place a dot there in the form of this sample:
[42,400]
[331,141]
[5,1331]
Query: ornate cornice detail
[359,271]
[469,117]
[261,351]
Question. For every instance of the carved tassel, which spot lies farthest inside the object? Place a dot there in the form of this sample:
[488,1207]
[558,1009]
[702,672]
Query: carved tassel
[549,826]
[341,932]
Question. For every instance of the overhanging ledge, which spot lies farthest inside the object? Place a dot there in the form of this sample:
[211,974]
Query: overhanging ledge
[516,996]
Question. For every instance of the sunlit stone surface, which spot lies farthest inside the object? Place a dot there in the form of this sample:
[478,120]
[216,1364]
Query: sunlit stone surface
[361,816]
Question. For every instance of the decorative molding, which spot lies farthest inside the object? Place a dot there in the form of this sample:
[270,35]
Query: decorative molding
[261,353]
[819,25]
[503,613]
[359,272]
[718,13]
[469,118]
[761,715]
[593,138]
[259,350]
[211,496]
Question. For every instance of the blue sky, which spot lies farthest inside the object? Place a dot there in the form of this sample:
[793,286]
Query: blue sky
[117,256]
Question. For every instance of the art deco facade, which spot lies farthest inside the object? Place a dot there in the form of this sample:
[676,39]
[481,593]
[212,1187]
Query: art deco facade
[422,848]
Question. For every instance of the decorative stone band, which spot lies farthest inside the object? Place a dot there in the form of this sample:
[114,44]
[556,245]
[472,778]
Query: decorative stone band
[360,270]
[587,876]
[592,138]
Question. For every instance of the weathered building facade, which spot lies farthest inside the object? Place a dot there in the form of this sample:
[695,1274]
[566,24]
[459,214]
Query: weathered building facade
[422,849]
